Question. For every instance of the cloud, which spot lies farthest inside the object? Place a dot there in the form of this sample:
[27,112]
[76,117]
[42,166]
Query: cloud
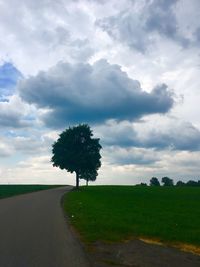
[129,156]
[51,30]
[92,93]
[31,145]
[187,15]
[13,113]
[5,150]
[127,28]
[161,18]
[112,133]
[159,133]
[37,170]
[197,35]
[173,134]
[141,25]
[28,142]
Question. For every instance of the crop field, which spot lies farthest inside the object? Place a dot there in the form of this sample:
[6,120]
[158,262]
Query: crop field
[116,213]
[12,190]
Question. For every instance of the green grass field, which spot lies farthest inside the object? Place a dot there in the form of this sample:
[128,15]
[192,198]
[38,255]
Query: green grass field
[12,190]
[115,213]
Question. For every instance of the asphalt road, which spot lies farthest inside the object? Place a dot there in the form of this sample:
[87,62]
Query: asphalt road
[34,232]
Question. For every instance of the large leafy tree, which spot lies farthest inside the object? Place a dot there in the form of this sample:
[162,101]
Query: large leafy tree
[76,151]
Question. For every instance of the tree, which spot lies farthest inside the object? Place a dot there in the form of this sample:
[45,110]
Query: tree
[167,181]
[89,175]
[192,183]
[180,183]
[154,182]
[76,151]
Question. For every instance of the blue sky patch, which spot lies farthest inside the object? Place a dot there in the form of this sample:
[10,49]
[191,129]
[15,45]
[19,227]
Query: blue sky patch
[9,75]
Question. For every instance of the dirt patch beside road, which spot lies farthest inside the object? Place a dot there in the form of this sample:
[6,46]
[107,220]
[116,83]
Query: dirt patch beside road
[136,253]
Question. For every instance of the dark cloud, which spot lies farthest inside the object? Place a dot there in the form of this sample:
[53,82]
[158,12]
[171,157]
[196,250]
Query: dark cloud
[172,134]
[137,28]
[161,18]
[92,93]
[121,134]
[180,136]
[10,119]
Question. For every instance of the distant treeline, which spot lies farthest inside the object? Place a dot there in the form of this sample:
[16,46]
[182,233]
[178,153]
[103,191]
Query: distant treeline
[166,181]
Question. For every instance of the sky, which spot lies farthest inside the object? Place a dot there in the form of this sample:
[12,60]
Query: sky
[128,68]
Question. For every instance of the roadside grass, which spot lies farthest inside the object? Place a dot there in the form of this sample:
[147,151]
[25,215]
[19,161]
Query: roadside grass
[12,190]
[116,213]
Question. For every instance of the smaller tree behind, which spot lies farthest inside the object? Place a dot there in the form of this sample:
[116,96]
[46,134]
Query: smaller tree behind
[154,182]
[167,181]
[89,175]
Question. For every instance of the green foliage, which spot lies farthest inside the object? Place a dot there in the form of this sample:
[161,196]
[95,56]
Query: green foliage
[12,190]
[180,183]
[167,181]
[143,184]
[89,175]
[76,151]
[192,183]
[114,213]
[188,183]
[154,182]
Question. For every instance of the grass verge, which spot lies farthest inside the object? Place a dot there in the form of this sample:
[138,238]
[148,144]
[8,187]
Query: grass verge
[12,190]
[116,213]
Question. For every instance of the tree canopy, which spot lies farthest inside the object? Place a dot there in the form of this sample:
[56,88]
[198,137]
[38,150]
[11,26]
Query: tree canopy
[180,183]
[76,151]
[89,175]
[167,181]
[154,181]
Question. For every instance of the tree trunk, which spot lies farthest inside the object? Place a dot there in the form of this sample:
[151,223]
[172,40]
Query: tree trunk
[77,180]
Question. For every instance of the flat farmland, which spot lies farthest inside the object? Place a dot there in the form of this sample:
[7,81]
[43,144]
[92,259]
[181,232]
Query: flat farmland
[117,213]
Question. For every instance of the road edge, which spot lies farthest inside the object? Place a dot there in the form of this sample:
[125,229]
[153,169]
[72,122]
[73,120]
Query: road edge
[73,231]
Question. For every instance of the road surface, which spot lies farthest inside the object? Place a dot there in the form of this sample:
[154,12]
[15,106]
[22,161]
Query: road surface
[34,232]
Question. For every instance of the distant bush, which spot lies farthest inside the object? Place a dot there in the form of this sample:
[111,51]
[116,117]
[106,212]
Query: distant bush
[192,183]
[167,181]
[143,184]
[180,183]
[154,182]
[188,183]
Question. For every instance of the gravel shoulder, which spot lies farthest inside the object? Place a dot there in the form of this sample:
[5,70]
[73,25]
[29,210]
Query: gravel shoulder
[136,253]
